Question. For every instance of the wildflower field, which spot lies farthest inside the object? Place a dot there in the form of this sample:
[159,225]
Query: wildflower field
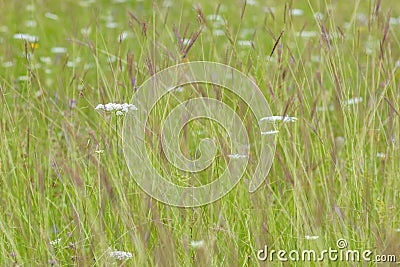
[329,71]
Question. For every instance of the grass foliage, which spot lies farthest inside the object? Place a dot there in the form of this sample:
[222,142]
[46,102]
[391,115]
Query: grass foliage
[331,64]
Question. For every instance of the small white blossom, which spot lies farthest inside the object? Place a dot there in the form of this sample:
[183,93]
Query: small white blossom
[279,118]
[307,34]
[296,12]
[51,16]
[123,36]
[311,237]
[120,255]
[197,244]
[55,242]
[244,42]
[26,37]
[353,101]
[58,50]
[111,25]
[119,108]
[237,156]
[381,155]
[270,132]
[30,23]
[23,78]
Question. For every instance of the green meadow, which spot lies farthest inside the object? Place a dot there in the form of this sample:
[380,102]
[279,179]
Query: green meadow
[67,197]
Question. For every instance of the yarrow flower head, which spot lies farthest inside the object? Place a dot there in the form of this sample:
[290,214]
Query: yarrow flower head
[279,118]
[55,242]
[120,255]
[197,244]
[237,156]
[311,237]
[119,108]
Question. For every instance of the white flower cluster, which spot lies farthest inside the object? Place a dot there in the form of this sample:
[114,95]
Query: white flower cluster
[353,101]
[311,237]
[279,118]
[197,244]
[237,156]
[270,132]
[119,108]
[120,255]
[55,242]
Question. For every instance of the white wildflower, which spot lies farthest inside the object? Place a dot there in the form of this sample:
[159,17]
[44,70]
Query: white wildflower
[251,2]
[197,244]
[23,78]
[8,64]
[117,107]
[39,93]
[307,34]
[125,107]
[120,255]
[51,16]
[270,132]
[311,237]
[353,101]
[111,25]
[58,50]
[244,42]
[296,12]
[30,23]
[26,37]
[99,151]
[119,113]
[279,118]
[46,60]
[123,36]
[86,31]
[55,242]
[237,156]
[381,155]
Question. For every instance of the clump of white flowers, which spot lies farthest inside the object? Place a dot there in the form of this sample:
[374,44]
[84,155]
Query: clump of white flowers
[197,244]
[270,132]
[237,156]
[55,242]
[279,118]
[353,101]
[311,237]
[120,109]
[120,255]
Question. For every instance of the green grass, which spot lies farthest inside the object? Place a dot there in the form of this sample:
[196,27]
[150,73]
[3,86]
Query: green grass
[63,172]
